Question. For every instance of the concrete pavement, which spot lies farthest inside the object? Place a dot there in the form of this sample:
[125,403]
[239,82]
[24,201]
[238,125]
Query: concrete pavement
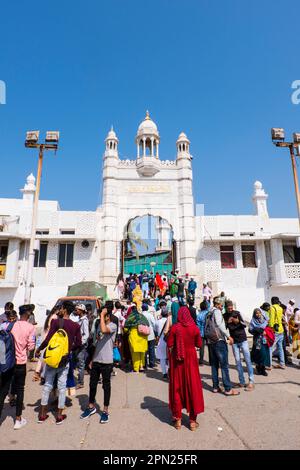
[267,418]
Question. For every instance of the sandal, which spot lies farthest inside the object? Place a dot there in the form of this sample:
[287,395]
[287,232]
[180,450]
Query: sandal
[194,425]
[232,393]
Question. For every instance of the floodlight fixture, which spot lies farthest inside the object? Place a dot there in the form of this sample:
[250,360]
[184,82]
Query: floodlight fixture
[32,137]
[296,137]
[277,133]
[52,136]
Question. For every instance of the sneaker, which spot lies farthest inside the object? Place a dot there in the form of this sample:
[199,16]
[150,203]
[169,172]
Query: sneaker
[20,424]
[104,417]
[42,419]
[87,413]
[279,366]
[165,377]
[78,386]
[60,419]
[114,373]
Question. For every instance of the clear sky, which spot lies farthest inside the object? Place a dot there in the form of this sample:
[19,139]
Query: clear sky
[219,70]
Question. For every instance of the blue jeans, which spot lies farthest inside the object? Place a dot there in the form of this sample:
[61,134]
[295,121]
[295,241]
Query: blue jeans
[219,359]
[278,344]
[150,355]
[50,373]
[81,357]
[244,348]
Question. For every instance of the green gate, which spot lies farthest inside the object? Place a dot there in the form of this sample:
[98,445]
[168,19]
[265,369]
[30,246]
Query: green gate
[163,262]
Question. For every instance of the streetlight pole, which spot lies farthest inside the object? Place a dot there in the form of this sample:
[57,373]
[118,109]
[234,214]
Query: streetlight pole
[51,143]
[296,181]
[278,140]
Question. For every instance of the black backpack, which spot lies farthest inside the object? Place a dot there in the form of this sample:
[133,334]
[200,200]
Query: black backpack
[212,332]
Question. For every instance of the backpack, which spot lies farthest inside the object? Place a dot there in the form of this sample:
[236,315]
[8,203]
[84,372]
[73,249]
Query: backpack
[56,353]
[211,331]
[7,349]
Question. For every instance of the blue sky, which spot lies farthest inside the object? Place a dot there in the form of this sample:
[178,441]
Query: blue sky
[219,70]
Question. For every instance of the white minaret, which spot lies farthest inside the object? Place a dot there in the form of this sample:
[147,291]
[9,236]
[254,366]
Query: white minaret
[260,200]
[187,253]
[163,235]
[108,262]
[29,190]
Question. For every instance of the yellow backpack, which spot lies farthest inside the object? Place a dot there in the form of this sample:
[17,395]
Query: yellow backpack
[56,353]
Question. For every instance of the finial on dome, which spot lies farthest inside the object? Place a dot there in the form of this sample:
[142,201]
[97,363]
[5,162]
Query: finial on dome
[147,116]
[257,185]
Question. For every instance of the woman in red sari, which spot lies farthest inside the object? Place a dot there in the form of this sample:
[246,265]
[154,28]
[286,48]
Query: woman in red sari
[185,387]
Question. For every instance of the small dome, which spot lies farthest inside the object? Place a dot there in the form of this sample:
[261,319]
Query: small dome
[258,185]
[30,179]
[111,135]
[147,127]
[183,138]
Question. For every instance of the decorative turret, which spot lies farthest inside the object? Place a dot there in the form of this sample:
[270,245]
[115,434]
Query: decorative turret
[147,140]
[183,146]
[111,142]
[29,189]
[260,200]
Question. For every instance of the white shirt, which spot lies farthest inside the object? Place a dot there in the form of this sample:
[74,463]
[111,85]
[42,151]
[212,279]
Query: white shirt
[151,321]
[118,314]
[207,292]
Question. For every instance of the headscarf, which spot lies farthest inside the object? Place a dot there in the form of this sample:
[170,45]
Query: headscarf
[184,320]
[135,318]
[258,323]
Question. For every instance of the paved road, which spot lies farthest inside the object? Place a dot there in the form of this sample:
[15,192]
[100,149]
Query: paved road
[267,418]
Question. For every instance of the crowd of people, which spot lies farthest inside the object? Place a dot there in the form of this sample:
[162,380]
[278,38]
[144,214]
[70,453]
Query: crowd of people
[154,321]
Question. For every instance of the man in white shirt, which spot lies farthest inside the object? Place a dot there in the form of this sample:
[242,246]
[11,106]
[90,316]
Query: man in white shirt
[290,309]
[206,292]
[150,355]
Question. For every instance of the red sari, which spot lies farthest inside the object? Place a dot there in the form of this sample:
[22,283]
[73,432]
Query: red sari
[185,387]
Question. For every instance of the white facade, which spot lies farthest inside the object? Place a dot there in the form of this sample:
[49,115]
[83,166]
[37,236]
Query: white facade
[250,257]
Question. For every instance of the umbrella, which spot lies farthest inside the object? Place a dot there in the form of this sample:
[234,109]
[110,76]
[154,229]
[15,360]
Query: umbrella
[89,288]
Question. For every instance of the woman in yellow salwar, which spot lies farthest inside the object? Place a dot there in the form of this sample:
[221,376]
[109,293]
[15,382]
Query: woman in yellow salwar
[138,342]
[294,326]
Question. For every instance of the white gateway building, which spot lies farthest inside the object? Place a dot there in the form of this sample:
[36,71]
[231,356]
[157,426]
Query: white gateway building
[148,220]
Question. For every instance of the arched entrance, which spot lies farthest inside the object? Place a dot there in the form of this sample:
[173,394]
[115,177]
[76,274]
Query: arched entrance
[148,243]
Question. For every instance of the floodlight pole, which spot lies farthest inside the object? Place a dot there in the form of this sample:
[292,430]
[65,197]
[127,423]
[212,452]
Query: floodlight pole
[30,263]
[296,181]
[31,253]
[292,146]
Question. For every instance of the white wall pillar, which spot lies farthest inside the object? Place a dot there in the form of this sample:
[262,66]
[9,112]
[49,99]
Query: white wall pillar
[278,266]
[178,264]
[12,261]
[138,150]
[152,146]
[144,146]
